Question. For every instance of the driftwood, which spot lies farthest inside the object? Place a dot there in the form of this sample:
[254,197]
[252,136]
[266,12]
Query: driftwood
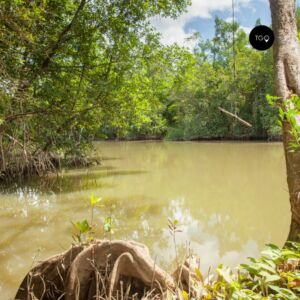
[101,270]
[226,112]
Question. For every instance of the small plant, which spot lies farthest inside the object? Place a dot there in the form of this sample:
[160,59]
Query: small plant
[93,203]
[82,228]
[85,230]
[108,226]
[174,228]
[109,223]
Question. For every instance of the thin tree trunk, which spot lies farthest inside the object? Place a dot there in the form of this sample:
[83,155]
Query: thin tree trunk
[287,82]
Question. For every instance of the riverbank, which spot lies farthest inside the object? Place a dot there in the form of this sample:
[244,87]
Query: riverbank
[125,270]
[208,139]
[22,166]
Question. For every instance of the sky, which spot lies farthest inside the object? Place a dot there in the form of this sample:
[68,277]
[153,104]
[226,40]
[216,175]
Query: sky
[200,18]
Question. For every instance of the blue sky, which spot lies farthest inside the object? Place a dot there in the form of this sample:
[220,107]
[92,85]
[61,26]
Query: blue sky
[200,17]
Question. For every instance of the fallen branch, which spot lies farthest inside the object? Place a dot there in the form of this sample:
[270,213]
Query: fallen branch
[235,116]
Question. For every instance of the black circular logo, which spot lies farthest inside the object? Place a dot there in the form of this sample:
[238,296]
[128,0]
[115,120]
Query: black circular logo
[261,37]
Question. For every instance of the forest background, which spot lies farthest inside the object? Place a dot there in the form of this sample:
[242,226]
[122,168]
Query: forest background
[75,71]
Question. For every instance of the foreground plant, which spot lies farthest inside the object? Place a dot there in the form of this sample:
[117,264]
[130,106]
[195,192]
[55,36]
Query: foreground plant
[125,270]
[275,275]
[289,111]
[85,231]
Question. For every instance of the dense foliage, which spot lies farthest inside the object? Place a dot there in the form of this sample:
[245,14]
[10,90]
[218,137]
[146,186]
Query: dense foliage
[275,275]
[72,71]
[216,76]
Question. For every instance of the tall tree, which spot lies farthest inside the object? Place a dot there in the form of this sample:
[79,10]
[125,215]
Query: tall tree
[68,68]
[287,82]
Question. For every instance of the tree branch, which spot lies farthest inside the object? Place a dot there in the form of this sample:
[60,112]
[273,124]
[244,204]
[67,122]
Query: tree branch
[61,37]
[226,112]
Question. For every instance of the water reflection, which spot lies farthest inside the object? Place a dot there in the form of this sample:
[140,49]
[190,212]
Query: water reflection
[71,181]
[201,237]
[222,194]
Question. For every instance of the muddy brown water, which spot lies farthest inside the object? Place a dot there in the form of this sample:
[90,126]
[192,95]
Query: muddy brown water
[230,198]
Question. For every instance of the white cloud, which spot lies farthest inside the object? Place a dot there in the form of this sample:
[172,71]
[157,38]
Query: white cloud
[247,29]
[173,30]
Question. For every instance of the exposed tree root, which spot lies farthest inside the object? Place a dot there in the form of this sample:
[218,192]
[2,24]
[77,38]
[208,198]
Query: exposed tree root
[102,270]
[19,165]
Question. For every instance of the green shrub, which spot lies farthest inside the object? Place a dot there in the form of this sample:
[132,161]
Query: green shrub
[275,275]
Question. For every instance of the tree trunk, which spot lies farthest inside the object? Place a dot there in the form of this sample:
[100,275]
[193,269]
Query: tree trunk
[287,82]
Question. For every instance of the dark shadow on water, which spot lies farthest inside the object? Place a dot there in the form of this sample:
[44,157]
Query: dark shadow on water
[106,158]
[71,181]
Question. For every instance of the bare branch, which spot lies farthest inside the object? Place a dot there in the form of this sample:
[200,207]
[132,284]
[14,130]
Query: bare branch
[235,116]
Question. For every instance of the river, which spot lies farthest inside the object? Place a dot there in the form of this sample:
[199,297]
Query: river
[230,199]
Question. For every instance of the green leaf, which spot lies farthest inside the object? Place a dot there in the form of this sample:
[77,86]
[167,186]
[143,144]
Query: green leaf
[107,224]
[83,226]
[199,275]
[271,278]
[185,295]
[225,273]
[94,201]
[283,293]
[266,267]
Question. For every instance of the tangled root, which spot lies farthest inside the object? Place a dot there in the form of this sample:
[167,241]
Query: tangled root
[101,270]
